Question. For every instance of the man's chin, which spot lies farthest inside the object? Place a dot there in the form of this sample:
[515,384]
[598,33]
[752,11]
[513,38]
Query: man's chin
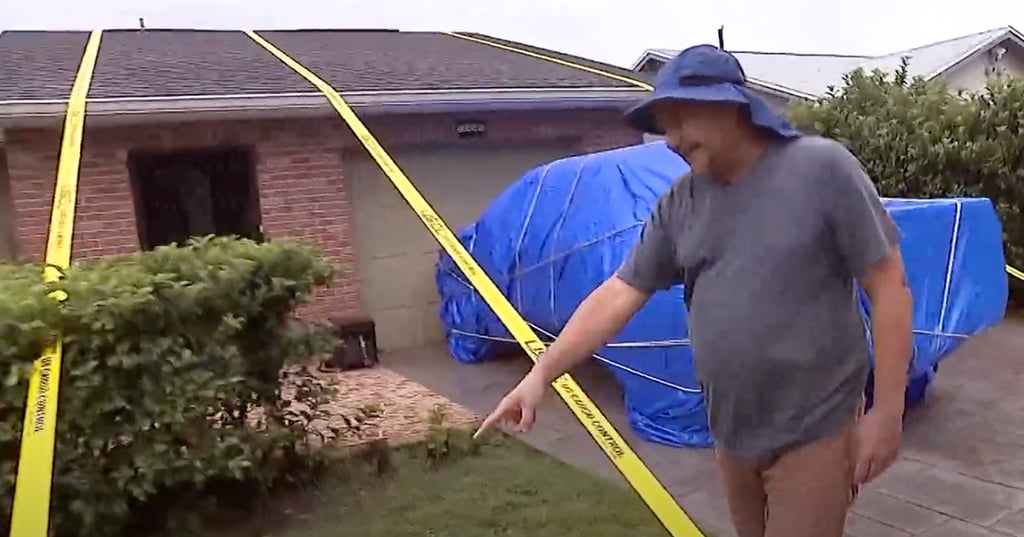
[698,166]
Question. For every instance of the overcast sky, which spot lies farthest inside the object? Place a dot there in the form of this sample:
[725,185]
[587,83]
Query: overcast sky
[615,31]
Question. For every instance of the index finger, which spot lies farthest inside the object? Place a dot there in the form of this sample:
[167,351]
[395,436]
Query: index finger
[488,422]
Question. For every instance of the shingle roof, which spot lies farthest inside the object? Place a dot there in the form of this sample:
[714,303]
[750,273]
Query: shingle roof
[29,72]
[614,69]
[812,74]
[39,65]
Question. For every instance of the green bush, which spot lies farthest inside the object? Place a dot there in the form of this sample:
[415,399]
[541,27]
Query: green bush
[916,139]
[170,383]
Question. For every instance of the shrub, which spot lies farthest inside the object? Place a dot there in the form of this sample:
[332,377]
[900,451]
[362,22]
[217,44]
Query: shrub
[170,376]
[916,139]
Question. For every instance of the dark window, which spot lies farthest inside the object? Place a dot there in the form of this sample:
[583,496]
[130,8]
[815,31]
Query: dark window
[195,193]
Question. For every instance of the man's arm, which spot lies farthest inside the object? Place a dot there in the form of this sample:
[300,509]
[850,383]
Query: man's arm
[600,316]
[891,329]
[868,241]
[650,266]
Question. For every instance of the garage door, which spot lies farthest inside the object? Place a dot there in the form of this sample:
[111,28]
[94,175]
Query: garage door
[395,254]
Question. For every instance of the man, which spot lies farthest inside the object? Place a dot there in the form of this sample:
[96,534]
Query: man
[768,233]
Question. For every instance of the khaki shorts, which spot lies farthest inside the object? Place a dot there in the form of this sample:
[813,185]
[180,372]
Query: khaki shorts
[805,492]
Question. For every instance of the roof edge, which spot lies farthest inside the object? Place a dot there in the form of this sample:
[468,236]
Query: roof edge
[354,96]
[647,55]
[779,89]
[756,83]
[1010,33]
[661,55]
[27,114]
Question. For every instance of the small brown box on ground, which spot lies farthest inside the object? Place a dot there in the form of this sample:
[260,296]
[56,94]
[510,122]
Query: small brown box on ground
[358,346]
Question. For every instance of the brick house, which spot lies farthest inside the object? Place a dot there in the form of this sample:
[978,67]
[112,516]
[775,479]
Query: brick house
[191,132]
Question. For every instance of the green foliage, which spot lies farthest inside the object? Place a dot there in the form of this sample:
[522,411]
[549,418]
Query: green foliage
[916,139]
[443,442]
[170,385]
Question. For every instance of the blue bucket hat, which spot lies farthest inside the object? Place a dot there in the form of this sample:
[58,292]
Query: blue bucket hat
[709,74]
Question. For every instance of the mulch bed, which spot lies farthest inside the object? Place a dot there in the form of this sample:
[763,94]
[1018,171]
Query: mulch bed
[386,407]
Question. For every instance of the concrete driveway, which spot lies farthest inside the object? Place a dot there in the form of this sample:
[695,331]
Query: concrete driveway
[961,473]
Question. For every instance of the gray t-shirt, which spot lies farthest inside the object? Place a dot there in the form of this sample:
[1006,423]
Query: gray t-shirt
[769,264]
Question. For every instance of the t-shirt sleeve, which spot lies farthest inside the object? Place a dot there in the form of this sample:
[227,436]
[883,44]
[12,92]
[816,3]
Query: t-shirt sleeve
[865,232]
[651,264]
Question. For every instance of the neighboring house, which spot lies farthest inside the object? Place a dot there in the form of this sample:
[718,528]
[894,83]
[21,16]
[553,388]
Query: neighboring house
[462,119]
[965,63]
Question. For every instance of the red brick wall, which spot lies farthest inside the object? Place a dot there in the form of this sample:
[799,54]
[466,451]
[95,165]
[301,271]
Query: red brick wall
[6,218]
[300,169]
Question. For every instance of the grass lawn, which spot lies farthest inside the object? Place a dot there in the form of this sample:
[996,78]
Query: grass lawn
[507,488]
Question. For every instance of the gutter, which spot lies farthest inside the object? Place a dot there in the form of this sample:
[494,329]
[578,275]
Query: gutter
[122,110]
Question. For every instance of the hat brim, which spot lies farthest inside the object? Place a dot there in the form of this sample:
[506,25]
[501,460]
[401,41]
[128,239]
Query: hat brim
[641,116]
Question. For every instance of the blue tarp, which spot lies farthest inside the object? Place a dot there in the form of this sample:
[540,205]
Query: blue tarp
[563,228]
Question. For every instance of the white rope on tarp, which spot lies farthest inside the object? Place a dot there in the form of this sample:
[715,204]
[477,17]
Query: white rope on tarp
[602,359]
[517,271]
[937,333]
[949,274]
[645,344]
[621,345]
[522,232]
[574,249]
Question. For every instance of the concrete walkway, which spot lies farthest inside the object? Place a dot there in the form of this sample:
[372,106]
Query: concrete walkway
[961,473]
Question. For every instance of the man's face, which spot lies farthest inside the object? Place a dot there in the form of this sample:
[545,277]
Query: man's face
[697,131]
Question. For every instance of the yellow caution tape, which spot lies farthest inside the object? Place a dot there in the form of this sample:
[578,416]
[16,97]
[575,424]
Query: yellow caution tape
[625,459]
[1015,273]
[31,512]
[593,70]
